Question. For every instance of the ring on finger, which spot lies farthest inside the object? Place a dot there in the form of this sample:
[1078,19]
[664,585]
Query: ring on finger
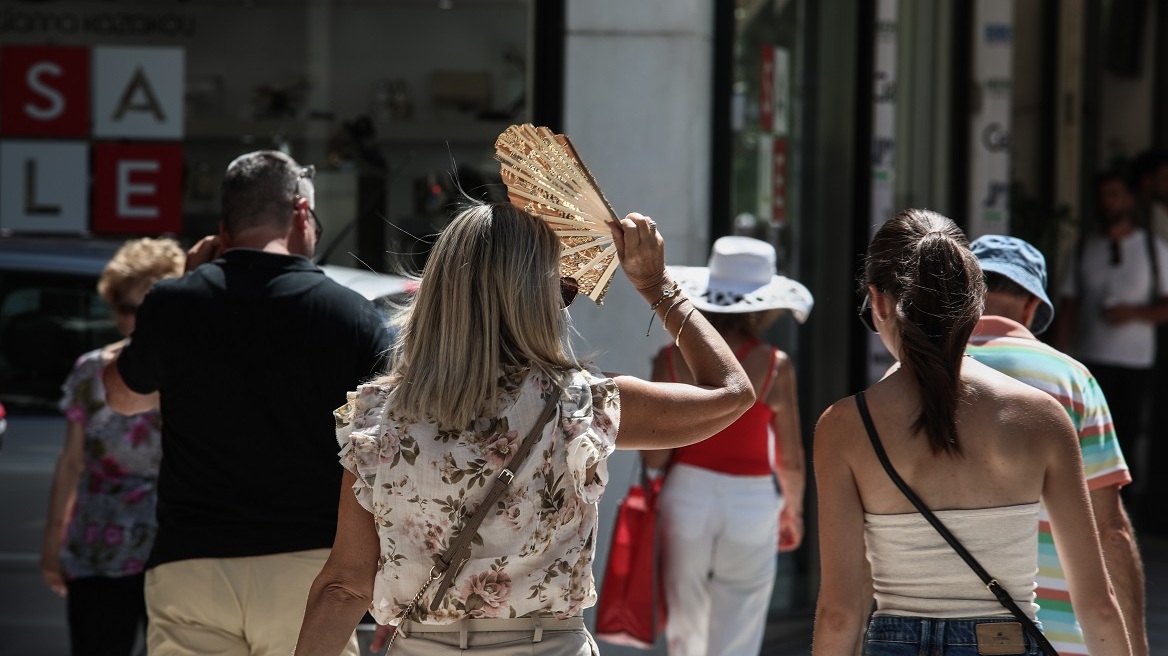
[652,226]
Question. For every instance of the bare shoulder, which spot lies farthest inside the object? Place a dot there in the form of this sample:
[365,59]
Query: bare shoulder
[1014,403]
[837,425]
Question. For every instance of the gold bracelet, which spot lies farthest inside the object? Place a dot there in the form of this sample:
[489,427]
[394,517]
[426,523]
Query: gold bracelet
[665,319]
[677,340]
[667,293]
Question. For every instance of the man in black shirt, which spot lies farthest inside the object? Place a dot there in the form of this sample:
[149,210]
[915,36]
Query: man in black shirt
[248,355]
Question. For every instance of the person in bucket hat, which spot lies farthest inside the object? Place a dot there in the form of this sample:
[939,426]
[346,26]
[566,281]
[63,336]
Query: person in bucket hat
[730,501]
[1017,308]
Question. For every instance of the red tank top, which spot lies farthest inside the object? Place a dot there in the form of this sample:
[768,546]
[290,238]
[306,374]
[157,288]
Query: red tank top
[742,448]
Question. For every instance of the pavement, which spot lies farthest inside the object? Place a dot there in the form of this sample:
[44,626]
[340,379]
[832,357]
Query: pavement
[789,634]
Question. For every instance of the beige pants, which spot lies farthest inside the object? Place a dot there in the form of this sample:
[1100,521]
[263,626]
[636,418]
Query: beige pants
[249,606]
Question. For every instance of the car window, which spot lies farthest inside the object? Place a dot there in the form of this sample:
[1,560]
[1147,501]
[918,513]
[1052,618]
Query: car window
[46,321]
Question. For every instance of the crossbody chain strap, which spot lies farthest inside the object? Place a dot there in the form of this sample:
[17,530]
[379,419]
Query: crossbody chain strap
[447,564]
[990,582]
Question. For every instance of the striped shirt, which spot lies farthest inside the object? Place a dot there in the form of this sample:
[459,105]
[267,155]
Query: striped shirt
[1010,348]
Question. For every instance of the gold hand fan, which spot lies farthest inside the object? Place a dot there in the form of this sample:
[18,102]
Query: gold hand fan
[546,177]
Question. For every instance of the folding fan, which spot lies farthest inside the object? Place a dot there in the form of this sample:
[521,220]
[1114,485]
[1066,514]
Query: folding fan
[546,177]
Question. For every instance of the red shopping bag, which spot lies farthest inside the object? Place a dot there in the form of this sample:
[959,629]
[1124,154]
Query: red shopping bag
[631,610]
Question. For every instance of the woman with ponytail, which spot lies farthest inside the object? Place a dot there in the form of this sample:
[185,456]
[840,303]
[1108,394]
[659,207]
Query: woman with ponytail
[980,449]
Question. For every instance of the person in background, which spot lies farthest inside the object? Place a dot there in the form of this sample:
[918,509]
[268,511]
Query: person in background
[100,525]
[730,501]
[249,354]
[483,363]
[1113,295]
[980,449]
[1016,304]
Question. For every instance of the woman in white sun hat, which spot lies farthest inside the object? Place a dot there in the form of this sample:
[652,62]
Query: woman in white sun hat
[730,501]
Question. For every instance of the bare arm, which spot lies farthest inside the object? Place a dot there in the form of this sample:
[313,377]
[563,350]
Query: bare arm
[62,496]
[120,398]
[1122,558]
[842,606]
[1065,495]
[659,458]
[665,415]
[790,468]
[343,590]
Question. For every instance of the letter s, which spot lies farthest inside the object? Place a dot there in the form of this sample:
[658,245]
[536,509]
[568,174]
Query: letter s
[56,100]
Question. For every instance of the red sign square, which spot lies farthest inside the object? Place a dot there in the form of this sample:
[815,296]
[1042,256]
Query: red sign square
[46,91]
[137,188]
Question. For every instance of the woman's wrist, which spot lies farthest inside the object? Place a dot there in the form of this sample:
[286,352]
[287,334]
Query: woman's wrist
[653,291]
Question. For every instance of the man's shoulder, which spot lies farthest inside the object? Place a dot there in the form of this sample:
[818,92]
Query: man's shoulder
[1027,355]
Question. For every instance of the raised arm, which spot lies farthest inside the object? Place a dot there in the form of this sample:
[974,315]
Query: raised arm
[665,415]
[790,467]
[842,605]
[1064,493]
[659,458]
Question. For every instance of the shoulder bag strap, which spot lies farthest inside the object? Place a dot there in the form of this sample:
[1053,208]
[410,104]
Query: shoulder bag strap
[991,583]
[448,564]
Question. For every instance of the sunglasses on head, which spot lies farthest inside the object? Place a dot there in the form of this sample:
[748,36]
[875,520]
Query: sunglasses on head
[569,287]
[865,313]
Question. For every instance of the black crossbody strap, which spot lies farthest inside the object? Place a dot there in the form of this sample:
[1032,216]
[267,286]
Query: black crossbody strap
[990,582]
[448,564]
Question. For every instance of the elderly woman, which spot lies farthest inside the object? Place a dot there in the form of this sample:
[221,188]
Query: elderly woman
[484,378]
[979,448]
[100,525]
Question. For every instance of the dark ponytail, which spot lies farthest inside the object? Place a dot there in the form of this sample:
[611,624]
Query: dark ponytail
[923,261]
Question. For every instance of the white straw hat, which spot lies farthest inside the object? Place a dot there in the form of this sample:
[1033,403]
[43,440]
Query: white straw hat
[741,278]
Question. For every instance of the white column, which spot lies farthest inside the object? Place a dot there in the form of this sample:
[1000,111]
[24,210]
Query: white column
[638,79]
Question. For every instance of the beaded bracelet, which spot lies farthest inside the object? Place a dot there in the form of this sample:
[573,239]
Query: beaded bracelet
[677,340]
[667,293]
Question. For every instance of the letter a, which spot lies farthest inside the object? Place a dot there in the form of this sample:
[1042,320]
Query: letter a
[150,104]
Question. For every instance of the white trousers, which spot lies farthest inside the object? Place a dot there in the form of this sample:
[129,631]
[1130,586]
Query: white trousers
[719,538]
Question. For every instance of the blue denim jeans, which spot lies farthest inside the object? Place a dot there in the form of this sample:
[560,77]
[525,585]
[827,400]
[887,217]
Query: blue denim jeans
[890,635]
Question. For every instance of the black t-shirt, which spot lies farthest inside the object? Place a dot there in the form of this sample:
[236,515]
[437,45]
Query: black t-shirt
[251,353]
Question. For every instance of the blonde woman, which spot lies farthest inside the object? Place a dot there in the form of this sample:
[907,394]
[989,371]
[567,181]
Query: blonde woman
[100,524]
[482,352]
[979,448]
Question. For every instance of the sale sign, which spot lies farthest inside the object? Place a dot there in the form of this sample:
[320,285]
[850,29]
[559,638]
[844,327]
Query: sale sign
[137,188]
[44,186]
[45,91]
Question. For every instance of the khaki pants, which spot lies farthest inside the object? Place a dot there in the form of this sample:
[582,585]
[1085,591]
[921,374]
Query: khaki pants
[250,606]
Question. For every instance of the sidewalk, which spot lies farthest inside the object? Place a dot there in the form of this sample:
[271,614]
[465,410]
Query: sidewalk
[790,635]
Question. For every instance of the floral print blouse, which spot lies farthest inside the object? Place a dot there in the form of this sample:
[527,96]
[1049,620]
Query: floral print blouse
[419,482]
[112,528]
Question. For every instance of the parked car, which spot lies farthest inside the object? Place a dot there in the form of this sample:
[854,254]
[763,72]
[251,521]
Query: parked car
[50,313]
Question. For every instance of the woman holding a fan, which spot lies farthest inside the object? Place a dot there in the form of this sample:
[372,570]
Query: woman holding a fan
[473,470]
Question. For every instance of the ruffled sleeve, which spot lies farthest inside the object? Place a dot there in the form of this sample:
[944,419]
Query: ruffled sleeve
[590,416]
[359,428]
[80,396]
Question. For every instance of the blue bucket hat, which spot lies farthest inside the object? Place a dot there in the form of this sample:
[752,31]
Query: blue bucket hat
[1022,263]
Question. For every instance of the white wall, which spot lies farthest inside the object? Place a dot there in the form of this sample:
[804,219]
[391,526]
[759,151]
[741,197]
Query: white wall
[638,101]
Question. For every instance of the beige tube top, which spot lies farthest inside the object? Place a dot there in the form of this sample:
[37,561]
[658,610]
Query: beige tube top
[915,572]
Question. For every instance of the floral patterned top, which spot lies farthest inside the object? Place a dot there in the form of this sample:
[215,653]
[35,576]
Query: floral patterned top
[534,554]
[112,527]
